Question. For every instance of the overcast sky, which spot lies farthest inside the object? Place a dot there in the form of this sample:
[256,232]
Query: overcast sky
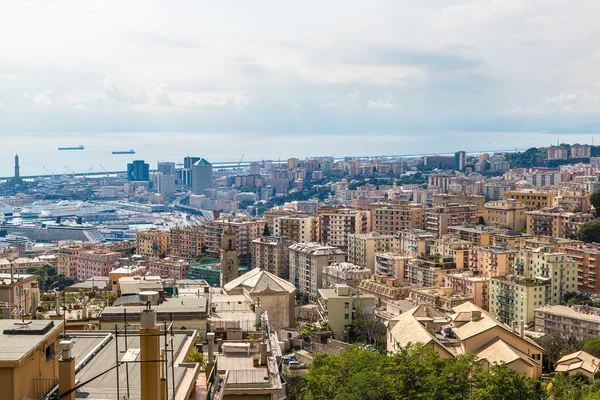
[299,66]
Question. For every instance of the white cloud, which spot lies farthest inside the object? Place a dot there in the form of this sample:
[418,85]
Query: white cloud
[46,98]
[212,99]
[354,95]
[159,96]
[563,97]
[380,105]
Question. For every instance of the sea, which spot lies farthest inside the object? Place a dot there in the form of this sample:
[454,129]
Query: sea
[39,154]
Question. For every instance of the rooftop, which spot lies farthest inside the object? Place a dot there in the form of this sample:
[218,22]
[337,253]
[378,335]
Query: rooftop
[18,340]
[105,386]
[183,307]
[259,281]
[569,312]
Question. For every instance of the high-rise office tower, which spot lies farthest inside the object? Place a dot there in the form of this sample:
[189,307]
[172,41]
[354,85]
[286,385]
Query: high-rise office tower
[166,168]
[189,161]
[185,173]
[138,171]
[201,176]
[460,160]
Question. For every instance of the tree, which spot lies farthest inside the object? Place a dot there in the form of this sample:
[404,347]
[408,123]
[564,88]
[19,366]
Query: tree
[567,386]
[480,220]
[196,357]
[595,200]
[555,346]
[414,372]
[590,231]
[266,231]
[592,346]
[366,328]
[501,382]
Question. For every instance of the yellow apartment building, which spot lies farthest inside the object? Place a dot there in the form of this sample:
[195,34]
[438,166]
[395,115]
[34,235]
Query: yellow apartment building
[533,200]
[509,214]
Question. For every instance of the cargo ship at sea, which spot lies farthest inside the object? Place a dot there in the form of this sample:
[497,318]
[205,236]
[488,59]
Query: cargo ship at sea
[130,151]
[72,148]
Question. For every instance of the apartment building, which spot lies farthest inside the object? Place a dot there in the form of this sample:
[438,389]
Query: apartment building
[429,272]
[509,214]
[272,254]
[413,243]
[246,230]
[556,222]
[476,287]
[543,178]
[363,246]
[188,241]
[557,268]
[390,264]
[491,261]
[307,261]
[95,263]
[439,218]
[67,259]
[513,298]
[169,267]
[587,258]
[442,298]
[15,295]
[509,239]
[298,228]
[477,234]
[344,274]
[440,180]
[339,307]
[444,199]
[385,289]
[335,224]
[533,200]
[389,219]
[573,201]
[452,247]
[582,322]
[153,243]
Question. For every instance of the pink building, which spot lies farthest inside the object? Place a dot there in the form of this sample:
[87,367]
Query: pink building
[95,263]
[173,268]
[491,261]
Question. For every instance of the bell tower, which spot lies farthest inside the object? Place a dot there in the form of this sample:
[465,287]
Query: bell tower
[229,256]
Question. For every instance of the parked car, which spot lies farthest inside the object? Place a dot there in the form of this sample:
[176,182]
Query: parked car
[295,365]
[287,359]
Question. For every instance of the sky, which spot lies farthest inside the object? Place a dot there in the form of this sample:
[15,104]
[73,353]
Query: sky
[280,67]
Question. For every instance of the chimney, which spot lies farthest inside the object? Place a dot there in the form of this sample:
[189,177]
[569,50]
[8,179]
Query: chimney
[211,348]
[12,272]
[263,354]
[513,328]
[149,349]
[66,370]
[521,329]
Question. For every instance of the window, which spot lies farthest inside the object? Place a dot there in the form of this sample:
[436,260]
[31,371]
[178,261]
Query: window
[49,353]
[346,316]
[346,305]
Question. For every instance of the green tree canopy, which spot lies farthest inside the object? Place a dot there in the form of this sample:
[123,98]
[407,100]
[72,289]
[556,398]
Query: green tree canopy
[592,346]
[595,200]
[590,232]
[501,382]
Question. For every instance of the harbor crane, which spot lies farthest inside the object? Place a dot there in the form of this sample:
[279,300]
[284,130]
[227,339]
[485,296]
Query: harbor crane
[51,173]
[71,171]
[240,162]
